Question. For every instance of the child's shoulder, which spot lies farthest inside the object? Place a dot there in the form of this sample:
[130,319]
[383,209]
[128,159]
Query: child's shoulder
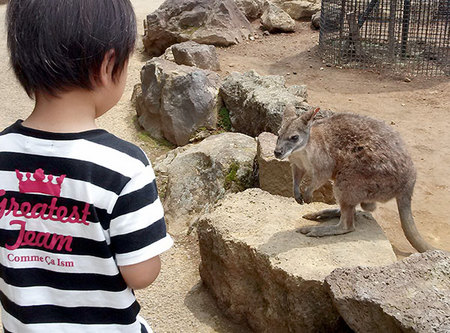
[109,140]
[105,143]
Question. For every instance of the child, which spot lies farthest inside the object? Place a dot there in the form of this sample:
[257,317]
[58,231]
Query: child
[81,224]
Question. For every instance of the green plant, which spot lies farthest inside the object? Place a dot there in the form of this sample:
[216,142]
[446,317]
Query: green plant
[146,138]
[231,176]
[224,120]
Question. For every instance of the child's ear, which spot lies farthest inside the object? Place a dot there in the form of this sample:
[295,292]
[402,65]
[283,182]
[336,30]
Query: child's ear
[107,66]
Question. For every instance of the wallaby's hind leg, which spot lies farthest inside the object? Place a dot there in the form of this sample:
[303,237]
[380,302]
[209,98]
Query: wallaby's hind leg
[345,225]
[323,215]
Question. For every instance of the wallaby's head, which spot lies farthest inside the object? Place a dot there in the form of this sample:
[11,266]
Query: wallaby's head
[294,131]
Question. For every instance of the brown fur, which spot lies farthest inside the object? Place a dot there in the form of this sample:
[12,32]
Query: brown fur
[366,159]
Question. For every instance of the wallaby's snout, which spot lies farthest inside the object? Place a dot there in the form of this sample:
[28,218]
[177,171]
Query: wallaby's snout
[278,152]
[280,149]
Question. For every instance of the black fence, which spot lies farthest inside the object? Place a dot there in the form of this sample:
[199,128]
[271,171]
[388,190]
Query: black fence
[400,36]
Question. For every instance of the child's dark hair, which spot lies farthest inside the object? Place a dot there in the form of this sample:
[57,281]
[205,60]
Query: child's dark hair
[56,45]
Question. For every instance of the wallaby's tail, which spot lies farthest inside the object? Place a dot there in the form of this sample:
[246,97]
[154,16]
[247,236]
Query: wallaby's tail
[408,224]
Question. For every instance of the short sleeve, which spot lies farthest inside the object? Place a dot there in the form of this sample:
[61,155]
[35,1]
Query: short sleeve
[137,228]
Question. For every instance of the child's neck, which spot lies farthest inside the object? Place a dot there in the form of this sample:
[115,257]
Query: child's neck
[70,112]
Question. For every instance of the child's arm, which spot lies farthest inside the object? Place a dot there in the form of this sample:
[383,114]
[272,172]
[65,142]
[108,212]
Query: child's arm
[141,275]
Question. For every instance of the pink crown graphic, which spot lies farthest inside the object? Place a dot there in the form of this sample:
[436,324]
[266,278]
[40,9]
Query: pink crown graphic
[42,183]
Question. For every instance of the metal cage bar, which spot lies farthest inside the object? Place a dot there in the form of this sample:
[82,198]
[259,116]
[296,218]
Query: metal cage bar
[402,36]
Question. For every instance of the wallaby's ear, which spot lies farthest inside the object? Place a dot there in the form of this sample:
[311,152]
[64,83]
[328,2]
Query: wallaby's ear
[308,116]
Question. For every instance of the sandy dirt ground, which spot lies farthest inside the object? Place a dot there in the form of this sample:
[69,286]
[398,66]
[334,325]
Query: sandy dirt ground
[419,110]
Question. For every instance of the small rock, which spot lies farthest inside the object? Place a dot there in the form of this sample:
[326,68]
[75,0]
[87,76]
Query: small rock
[203,134]
[252,38]
[275,19]
[321,68]
[193,54]
[315,20]
[252,9]
[299,9]
[266,33]
[407,79]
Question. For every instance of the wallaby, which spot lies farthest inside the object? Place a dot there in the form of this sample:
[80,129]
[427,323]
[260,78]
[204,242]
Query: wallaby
[366,159]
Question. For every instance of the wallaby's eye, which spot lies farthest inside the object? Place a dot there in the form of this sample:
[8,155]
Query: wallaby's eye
[294,138]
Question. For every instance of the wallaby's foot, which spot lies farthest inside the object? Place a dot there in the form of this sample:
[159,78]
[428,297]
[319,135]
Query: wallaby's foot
[299,198]
[369,206]
[328,230]
[323,215]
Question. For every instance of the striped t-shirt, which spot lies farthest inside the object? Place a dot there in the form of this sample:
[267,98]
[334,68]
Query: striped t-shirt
[74,207]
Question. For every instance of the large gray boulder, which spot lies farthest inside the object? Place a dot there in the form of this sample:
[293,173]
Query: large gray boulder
[262,272]
[192,178]
[257,103]
[194,54]
[275,176]
[299,9]
[274,19]
[215,22]
[176,100]
[412,295]
[252,9]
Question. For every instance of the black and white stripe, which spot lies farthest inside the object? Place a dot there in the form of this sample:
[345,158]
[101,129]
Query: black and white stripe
[125,226]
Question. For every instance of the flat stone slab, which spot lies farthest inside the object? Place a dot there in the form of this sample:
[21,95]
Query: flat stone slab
[262,272]
[412,295]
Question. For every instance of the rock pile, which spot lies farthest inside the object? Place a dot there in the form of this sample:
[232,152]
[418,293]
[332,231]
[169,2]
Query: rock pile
[262,272]
[258,268]
[265,274]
